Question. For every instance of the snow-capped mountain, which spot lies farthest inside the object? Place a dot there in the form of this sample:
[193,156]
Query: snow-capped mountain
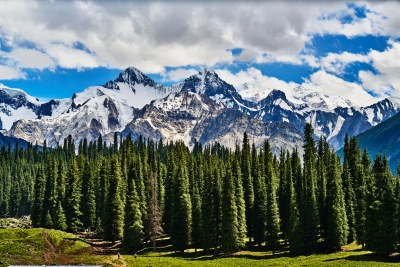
[208,82]
[202,107]
[189,116]
[16,104]
[331,117]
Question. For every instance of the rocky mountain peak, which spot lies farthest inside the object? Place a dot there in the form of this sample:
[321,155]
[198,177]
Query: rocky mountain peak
[130,76]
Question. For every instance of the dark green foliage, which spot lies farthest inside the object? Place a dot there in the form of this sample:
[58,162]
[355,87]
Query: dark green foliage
[272,215]
[260,200]
[114,207]
[336,228]
[230,236]
[88,197]
[181,216]
[37,208]
[72,198]
[381,222]
[59,220]
[247,184]
[309,207]
[210,197]
[240,204]
[133,225]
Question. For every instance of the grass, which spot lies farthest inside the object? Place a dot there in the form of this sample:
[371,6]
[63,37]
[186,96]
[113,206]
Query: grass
[38,246]
[42,246]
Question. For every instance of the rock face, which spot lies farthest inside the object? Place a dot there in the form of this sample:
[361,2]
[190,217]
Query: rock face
[190,116]
[202,107]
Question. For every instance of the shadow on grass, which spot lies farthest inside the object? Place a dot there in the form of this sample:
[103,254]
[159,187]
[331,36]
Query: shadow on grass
[370,258]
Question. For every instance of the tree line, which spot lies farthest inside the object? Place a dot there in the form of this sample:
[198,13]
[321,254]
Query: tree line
[212,198]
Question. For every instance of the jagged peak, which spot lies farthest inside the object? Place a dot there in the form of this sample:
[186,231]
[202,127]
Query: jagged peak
[131,76]
[275,94]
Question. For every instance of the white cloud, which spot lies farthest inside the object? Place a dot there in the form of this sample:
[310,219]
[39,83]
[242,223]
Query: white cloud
[387,63]
[68,57]
[178,74]
[335,86]
[336,63]
[29,58]
[9,73]
[253,85]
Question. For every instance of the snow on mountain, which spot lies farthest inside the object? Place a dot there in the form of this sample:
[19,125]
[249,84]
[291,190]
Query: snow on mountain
[188,116]
[203,106]
[208,82]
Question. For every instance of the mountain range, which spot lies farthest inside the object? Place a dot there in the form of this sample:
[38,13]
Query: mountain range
[203,107]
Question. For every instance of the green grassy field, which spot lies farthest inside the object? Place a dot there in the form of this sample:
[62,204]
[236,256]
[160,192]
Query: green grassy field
[42,246]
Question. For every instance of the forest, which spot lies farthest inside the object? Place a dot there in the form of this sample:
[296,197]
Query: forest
[210,198]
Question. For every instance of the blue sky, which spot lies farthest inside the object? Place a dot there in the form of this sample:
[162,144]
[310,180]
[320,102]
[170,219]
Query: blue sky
[347,49]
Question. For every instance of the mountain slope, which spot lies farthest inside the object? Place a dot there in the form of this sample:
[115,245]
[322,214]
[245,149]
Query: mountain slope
[188,116]
[384,137]
[202,107]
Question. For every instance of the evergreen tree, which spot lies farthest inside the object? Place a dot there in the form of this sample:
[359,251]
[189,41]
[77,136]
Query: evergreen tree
[154,213]
[260,200]
[114,208]
[380,234]
[37,207]
[59,220]
[349,199]
[284,195]
[72,198]
[272,216]
[133,225]
[196,217]
[247,184]
[230,235]
[295,227]
[240,204]
[181,216]
[88,197]
[309,212]
[337,228]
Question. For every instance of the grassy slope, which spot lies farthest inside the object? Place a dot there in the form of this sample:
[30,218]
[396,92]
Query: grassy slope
[40,246]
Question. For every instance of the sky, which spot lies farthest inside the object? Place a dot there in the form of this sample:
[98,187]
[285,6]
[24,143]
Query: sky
[52,49]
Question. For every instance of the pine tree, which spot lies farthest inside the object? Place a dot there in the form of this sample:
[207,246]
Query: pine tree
[260,200]
[88,197]
[240,204]
[295,227]
[102,191]
[381,224]
[337,228]
[133,225]
[247,184]
[309,208]
[72,198]
[181,216]
[211,205]
[154,228]
[321,166]
[114,208]
[37,207]
[272,216]
[59,220]
[196,217]
[230,235]
[349,200]
[284,195]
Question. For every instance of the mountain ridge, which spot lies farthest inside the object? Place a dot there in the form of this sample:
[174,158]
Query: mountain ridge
[113,106]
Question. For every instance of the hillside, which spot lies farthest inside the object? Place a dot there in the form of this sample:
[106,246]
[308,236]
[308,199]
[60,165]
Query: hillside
[384,137]
[40,246]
